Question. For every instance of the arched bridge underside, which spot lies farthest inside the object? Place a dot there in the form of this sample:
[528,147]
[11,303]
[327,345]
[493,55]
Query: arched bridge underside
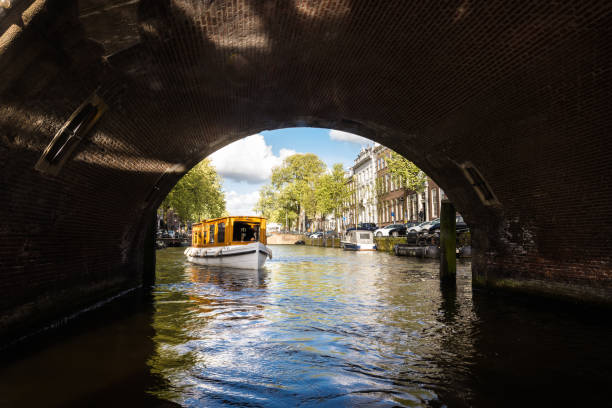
[519,90]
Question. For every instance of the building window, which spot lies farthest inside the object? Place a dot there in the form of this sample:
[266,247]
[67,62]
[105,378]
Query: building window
[244,231]
[384,212]
[434,202]
[388,213]
[395,210]
[221,232]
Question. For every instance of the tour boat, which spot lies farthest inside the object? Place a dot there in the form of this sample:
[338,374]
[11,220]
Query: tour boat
[359,240]
[236,242]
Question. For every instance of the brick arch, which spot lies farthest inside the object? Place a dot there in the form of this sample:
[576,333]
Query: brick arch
[521,90]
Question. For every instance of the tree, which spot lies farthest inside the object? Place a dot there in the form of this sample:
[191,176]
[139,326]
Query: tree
[295,180]
[406,173]
[198,194]
[331,193]
[266,205]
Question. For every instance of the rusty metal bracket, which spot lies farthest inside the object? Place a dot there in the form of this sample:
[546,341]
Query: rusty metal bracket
[70,135]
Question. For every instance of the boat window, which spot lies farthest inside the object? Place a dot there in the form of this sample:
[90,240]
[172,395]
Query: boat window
[212,234]
[364,236]
[221,232]
[245,232]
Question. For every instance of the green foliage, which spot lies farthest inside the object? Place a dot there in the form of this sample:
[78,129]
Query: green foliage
[299,185]
[406,172]
[296,179]
[331,192]
[266,205]
[198,195]
[276,206]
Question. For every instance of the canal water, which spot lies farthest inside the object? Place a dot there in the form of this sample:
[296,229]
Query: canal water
[318,327]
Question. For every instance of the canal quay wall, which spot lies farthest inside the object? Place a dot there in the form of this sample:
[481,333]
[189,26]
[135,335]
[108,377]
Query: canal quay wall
[385,244]
[322,242]
[388,243]
[284,239]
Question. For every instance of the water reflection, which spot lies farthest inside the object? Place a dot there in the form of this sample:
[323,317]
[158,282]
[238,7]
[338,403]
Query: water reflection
[539,351]
[317,327]
[96,361]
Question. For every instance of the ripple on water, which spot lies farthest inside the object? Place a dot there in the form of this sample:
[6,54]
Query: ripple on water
[318,327]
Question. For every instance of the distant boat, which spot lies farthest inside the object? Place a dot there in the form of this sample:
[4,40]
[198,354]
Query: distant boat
[359,240]
[236,242]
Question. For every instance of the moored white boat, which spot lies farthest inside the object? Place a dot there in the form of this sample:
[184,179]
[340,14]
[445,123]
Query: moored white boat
[249,256]
[359,240]
[236,242]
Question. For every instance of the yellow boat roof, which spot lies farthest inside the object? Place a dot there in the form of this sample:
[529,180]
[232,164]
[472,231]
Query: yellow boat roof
[238,217]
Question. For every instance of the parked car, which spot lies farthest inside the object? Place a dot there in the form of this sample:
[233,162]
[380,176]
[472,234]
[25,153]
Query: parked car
[411,224]
[422,226]
[331,234]
[391,230]
[369,226]
[460,226]
[316,235]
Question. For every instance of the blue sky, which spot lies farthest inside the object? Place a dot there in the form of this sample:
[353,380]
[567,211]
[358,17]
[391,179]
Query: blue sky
[245,165]
[313,140]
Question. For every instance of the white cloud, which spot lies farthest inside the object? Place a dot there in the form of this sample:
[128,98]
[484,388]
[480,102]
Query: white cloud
[241,204]
[347,137]
[249,159]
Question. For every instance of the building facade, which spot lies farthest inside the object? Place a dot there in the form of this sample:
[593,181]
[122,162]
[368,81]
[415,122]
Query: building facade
[397,204]
[350,206]
[391,196]
[424,206]
[364,180]
[375,195]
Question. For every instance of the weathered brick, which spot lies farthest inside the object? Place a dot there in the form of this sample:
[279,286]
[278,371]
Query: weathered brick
[520,89]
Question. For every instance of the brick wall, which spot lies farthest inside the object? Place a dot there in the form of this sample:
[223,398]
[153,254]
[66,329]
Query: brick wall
[521,90]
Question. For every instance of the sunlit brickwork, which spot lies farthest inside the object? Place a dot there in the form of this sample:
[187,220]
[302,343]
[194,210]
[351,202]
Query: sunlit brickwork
[521,90]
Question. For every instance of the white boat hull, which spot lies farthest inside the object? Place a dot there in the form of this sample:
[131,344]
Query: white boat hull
[358,240]
[249,256]
[349,246]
